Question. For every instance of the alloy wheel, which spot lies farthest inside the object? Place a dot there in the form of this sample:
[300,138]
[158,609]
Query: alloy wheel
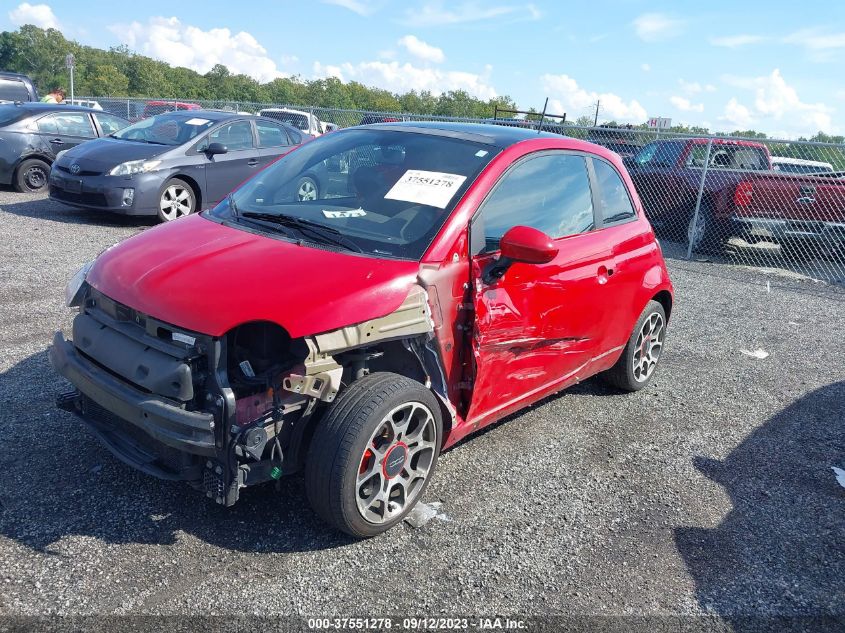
[648,347]
[176,202]
[307,190]
[396,462]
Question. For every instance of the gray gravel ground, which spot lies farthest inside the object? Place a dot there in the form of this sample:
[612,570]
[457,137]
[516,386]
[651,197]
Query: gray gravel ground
[709,492]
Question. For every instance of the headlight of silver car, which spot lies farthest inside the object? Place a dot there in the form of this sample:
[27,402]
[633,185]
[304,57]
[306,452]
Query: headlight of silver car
[134,167]
[73,294]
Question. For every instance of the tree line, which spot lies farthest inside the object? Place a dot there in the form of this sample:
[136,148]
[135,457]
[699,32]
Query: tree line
[120,72]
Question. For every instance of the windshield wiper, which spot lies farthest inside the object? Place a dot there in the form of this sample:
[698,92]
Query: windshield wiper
[322,232]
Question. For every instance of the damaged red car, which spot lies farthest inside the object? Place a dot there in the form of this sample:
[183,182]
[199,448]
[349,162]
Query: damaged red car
[443,276]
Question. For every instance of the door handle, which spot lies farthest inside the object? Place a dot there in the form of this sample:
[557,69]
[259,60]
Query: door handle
[253,162]
[57,141]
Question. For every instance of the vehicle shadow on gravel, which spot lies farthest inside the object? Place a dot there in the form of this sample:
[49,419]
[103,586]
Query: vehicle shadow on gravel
[45,209]
[782,544]
[64,483]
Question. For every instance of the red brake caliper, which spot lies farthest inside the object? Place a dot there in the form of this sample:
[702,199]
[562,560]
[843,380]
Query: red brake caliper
[365,462]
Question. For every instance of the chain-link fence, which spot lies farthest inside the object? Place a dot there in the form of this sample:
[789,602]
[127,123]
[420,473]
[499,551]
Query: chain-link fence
[759,202]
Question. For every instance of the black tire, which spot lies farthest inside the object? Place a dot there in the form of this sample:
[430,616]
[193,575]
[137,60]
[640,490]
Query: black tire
[32,175]
[711,234]
[307,189]
[622,374]
[174,188]
[342,440]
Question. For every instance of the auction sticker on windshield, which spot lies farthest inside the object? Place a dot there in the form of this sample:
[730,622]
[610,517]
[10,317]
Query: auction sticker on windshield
[196,121]
[353,213]
[432,188]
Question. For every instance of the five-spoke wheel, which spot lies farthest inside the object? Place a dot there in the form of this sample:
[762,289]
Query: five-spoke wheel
[373,453]
[635,367]
[177,200]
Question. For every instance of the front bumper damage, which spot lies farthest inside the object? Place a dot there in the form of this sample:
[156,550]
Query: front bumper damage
[167,402]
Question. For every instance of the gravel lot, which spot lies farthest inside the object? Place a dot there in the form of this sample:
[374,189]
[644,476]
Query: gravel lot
[709,492]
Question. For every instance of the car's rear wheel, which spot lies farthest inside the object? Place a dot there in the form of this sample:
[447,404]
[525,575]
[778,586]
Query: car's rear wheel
[32,176]
[705,231]
[636,367]
[373,454]
[176,201]
[307,189]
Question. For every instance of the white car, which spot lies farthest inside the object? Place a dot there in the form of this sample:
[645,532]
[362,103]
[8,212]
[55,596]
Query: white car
[85,103]
[800,165]
[304,121]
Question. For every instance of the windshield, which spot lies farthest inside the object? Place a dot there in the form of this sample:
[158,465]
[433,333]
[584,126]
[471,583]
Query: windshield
[381,192]
[299,121]
[165,129]
[662,153]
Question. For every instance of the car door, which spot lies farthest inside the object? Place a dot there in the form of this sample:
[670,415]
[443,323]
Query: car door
[538,325]
[273,141]
[224,172]
[63,130]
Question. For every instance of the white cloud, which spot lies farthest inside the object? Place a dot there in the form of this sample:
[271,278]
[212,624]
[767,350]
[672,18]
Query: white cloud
[652,27]
[684,105]
[567,96]
[434,13]
[180,44]
[816,39]
[735,41]
[776,102]
[40,15]
[736,114]
[693,87]
[356,6]
[646,67]
[421,50]
[398,77]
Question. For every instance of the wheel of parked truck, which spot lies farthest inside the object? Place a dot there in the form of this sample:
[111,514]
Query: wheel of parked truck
[177,200]
[32,175]
[635,368]
[705,231]
[307,189]
[373,454]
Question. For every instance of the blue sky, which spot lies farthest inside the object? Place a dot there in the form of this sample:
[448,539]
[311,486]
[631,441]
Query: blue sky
[772,66]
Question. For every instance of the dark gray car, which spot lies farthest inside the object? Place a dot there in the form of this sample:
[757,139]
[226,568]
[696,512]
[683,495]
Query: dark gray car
[32,134]
[171,164]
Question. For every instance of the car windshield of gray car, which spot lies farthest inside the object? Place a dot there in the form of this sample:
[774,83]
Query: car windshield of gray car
[386,191]
[165,129]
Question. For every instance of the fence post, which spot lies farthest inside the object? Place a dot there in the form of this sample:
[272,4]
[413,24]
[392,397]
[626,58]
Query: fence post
[698,199]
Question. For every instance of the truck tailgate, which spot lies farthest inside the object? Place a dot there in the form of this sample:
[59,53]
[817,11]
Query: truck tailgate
[802,198]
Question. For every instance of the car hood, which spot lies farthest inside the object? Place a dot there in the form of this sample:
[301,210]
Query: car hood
[207,277]
[104,153]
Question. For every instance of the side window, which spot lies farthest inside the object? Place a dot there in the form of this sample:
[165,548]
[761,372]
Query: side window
[67,124]
[109,123]
[613,195]
[235,136]
[271,135]
[550,193]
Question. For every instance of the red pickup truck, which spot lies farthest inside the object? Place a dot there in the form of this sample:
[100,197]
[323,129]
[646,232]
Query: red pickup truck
[791,209]
[667,176]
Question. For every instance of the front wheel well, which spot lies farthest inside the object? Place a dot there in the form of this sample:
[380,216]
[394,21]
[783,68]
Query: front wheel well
[193,184]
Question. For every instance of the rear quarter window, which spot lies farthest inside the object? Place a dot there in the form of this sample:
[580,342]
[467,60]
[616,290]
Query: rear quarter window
[13,90]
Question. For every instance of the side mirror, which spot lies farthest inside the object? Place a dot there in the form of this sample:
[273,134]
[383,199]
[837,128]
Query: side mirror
[215,148]
[527,245]
[520,244]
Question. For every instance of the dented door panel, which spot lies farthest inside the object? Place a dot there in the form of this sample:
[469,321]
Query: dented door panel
[539,326]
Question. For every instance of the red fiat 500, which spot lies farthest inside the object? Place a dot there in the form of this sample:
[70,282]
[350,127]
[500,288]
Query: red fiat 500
[436,278]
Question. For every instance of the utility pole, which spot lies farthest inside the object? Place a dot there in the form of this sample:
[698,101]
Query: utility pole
[596,122]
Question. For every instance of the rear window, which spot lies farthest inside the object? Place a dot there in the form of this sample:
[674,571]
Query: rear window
[13,90]
[729,157]
[10,113]
[299,121]
[662,153]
